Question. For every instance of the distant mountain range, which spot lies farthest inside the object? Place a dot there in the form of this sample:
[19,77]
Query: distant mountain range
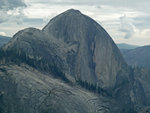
[126,46]
[4,40]
[72,65]
[137,57]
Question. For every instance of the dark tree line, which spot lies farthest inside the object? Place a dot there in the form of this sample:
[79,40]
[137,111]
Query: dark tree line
[40,64]
[43,65]
[93,88]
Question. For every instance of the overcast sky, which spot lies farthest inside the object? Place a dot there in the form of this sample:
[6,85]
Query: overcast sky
[127,21]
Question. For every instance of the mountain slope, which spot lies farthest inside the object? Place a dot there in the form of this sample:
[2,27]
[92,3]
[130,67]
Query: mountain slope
[26,90]
[3,40]
[95,58]
[138,57]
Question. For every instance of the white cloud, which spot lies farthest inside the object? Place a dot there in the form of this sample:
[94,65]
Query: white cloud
[3,33]
[127,27]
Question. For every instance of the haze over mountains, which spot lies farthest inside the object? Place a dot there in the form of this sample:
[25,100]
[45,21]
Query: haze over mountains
[3,40]
[138,57]
[70,66]
[126,46]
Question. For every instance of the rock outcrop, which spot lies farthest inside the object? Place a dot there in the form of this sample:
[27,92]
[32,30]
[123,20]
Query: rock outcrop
[76,44]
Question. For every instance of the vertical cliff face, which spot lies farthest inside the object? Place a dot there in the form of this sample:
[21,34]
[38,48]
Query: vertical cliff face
[92,56]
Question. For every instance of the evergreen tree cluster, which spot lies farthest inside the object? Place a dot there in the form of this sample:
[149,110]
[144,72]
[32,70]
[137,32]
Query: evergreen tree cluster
[42,64]
[93,87]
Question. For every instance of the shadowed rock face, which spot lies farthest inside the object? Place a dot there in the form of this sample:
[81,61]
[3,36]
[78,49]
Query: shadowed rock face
[73,45]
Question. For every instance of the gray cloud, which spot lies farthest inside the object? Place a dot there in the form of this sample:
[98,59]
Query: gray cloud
[11,4]
[4,16]
[142,22]
[126,27]
[33,21]
[128,32]
[133,4]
